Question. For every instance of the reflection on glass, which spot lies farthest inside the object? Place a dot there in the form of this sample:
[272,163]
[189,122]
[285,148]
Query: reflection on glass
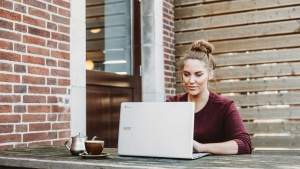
[108,36]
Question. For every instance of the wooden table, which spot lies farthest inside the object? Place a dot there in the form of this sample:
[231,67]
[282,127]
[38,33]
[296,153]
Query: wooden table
[59,157]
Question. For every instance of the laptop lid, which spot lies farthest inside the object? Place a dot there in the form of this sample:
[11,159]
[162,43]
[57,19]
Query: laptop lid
[156,129]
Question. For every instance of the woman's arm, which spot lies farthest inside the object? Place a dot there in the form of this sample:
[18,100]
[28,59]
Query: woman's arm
[228,147]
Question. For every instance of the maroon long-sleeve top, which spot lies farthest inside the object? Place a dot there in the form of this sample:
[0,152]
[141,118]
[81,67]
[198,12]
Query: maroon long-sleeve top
[218,121]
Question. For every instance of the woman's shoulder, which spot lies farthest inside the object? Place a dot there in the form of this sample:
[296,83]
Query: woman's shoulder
[219,99]
[177,98]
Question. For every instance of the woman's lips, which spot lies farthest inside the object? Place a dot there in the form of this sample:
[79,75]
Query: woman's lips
[192,87]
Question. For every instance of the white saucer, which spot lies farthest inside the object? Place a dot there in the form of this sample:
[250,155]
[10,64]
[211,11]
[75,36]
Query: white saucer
[102,155]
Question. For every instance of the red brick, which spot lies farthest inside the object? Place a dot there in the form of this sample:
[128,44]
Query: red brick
[55,90]
[52,135]
[64,29]
[20,28]
[33,80]
[33,60]
[20,8]
[19,108]
[60,55]
[62,73]
[19,48]
[63,46]
[60,20]
[59,142]
[6,146]
[52,8]
[64,12]
[39,13]
[64,134]
[10,138]
[10,56]
[20,68]
[64,117]
[34,99]
[51,117]
[5,109]
[60,126]
[6,128]
[39,90]
[12,118]
[9,78]
[6,45]
[6,4]
[60,109]
[60,37]
[34,40]
[20,145]
[51,81]
[5,88]
[10,35]
[64,82]
[50,62]
[22,128]
[6,25]
[34,21]
[52,26]
[52,99]
[34,137]
[10,15]
[38,70]
[39,126]
[39,32]
[33,117]
[64,64]
[10,98]
[38,109]
[40,143]
[51,44]
[20,89]
[38,51]
[62,3]
[35,3]
[5,66]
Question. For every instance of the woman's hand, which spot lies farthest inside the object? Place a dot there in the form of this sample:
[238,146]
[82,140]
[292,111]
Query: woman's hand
[228,147]
[198,147]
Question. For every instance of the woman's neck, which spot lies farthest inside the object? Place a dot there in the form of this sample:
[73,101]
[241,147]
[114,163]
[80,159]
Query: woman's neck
[200,100]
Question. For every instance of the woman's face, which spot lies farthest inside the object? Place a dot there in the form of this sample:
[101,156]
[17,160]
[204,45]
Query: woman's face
[195,76]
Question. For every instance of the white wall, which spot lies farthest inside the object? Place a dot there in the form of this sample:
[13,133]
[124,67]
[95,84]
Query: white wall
[77,66]
[153,81]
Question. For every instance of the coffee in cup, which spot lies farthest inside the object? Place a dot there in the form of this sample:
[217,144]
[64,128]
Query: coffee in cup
[94,147]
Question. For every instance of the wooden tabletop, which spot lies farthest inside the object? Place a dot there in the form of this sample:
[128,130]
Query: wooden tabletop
[59,157]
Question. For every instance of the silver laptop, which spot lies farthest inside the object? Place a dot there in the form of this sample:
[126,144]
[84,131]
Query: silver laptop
[157,129]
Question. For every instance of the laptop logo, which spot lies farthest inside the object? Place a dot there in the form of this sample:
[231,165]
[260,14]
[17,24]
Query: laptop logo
[126,128]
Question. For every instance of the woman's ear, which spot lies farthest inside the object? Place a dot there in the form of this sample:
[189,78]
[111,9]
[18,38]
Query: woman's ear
[211,74]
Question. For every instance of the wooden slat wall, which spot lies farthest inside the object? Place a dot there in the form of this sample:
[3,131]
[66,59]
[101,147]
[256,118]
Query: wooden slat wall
[257,49]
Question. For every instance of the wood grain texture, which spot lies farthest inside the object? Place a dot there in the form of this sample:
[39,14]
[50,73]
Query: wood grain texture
[249,17]
[230,7]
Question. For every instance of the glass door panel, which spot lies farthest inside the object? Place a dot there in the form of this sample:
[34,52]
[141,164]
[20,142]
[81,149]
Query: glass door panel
[108,35]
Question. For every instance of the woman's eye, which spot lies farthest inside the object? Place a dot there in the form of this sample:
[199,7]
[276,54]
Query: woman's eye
[186,75]
[198,75]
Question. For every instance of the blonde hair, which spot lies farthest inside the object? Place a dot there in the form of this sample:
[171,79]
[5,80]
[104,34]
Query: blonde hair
[200,50]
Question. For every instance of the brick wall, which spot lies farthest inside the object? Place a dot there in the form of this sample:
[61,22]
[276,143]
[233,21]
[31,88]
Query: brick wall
[34,72]
[169,47]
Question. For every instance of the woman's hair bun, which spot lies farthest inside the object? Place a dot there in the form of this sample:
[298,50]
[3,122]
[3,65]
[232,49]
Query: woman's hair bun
[203,46]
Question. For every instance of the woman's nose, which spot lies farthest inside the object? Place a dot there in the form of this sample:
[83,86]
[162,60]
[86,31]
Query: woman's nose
[192,79]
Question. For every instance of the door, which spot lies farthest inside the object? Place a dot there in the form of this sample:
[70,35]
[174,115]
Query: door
[113,64]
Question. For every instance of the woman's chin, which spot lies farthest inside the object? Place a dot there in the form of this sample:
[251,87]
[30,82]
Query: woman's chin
[193,92]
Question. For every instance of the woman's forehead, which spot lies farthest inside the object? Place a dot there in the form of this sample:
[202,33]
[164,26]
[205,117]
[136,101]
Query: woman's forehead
[194,64]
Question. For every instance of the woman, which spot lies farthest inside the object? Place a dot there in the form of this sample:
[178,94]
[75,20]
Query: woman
[218,127]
